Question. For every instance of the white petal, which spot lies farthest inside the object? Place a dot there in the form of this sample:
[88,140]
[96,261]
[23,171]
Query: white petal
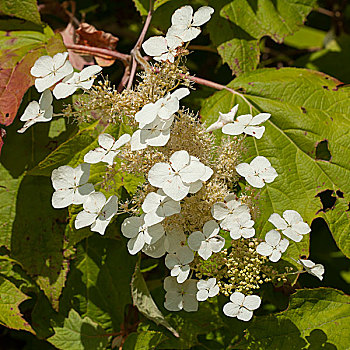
[179,160]
[44,83]
[260,118]
[269,175]
[125,138]
[210,229]
[106,141]
[195,186]
[147,114]
[175,188]
[182,16]
[192,172]
[131,226]
[202,15]
[260,164]
[180,93]
[94,202]
[155,46]
[136,244]
[248,232]
[272,238]
[100,226]
[95,156]
[136,143]
[202,295]
[62,198]
[216,243]
[84,218]
[190,34]
[306,263]
[155,250]
[195,240]
[205,250]
[244,169]
[283,245]
[301,227]
[318,271]
[45,100]
[275,256]
[264,249]
[252,302]
[292,217]
[151,202]
[293,235]
[214,291]
[202,284]
[82,192]
[183,274]
[159,174]
[237,298]
[255,181]
[277,221]
[173,301]
[63,177]
[159,138]
[31,111]
[256,131]
[244,314]
[219,211]
[230,310]
[42,66]
[89,72]
[63,90]
[233,128]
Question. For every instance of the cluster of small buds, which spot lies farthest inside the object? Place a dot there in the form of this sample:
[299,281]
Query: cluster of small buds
[186,209]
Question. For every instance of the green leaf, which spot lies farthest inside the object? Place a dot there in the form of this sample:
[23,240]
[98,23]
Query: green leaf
[10,298]
[319,318]
[143,5]
[19,50]
[143,340]
[8,199]
[79,334]
[144,302]
[237,27]
[25,9]
[329,59]
[306,107]
[98,284]
[306,38]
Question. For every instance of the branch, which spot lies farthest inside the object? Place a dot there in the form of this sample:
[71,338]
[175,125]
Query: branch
[96,51]
[139,43]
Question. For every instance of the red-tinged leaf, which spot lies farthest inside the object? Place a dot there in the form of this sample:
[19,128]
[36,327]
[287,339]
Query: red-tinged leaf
[2,136]
[18,51]
[78,61]
[88,35]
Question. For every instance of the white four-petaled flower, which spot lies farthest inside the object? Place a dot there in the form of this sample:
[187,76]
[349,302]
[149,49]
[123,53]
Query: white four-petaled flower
[180,296]
[37,111]
[207,289]
[162,49]
[242,226]
[156,133]
[242,306]
[139,233]
[175,178]
[109,148]
[164,108]
[208,241]
[74,81]
[247,124]
[257,172]
[97,213]
[292,224]
[224,118]
[184,24]
[178,263]
[274,246]
[312,268]
[50,70]
[158,206]
[229,211]
[70,185]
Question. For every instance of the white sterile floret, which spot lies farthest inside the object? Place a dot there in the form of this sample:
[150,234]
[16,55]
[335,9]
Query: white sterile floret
[292,224]
[175,178]
[109,148]
[162,49]
[98,212]
[312,268]
[184,24]
[208,241]
[71,185]
[50,70]
[247,124]
[207,289]
[196,186]
[257,172]
[180,296]
[139,233]
[170,243]
[224,118]
[229,211]
[158,206]
[37,111]
[178,263]
[74,81]
[242,306]
[164,108]
[156,133]
[242,226]
[274,246]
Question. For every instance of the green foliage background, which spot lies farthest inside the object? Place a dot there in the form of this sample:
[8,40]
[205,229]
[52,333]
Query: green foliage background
[66,289]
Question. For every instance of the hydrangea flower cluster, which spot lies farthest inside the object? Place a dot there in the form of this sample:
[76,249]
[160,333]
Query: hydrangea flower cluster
[186,209]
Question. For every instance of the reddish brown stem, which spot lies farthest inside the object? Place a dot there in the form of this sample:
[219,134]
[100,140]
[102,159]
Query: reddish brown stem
[96,51]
